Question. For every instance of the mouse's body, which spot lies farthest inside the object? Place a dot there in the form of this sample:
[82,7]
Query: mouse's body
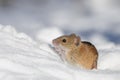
[76,52]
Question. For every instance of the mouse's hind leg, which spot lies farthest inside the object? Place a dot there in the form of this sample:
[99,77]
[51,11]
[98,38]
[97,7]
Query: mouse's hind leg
[94,66]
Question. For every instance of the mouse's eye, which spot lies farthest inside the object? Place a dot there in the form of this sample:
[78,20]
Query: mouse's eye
[64,40]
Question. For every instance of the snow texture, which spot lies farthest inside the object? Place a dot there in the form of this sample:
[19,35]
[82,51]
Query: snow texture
[22,58]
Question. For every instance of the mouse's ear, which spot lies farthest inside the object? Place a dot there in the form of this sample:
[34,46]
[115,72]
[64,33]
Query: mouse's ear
[73,35]
[77,40]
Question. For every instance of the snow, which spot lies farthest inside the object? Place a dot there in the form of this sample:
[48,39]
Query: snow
[51,34]
[22,58]
[25,38]
[34,15]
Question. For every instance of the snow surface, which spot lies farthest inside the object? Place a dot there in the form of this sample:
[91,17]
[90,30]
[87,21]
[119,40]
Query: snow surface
[22,58]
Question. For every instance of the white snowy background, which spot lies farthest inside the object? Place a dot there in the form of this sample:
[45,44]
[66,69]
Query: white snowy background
[28,27]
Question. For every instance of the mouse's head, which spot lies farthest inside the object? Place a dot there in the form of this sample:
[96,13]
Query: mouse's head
[67,42]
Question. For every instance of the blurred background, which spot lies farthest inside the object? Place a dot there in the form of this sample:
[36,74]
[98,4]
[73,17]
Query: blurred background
[89,18]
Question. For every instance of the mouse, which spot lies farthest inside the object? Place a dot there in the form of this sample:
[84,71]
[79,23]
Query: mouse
[78,53]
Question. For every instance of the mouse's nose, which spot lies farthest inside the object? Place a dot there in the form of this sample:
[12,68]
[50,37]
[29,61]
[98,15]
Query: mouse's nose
[55,43]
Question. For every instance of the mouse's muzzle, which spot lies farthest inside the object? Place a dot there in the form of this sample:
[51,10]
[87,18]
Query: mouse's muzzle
[55,42]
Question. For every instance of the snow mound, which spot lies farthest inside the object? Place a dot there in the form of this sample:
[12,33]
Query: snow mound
[47,35]
[22,58]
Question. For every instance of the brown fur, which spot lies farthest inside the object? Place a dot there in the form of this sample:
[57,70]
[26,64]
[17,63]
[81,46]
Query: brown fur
[79,53]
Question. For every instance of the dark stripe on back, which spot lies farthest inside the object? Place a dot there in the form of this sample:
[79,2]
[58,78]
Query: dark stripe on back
[87,43]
